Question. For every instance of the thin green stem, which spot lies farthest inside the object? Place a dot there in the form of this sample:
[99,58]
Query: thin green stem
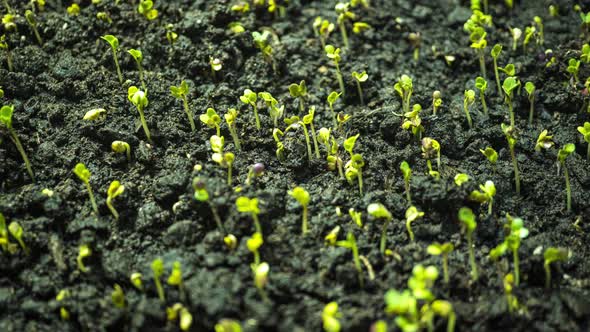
[568,190]
[315,141]
[466,109]
[510,110]
[117,65]
[256,116]
[409,229]
[234,135]
[189,114]
[339,77]
[408,196]
[547,275]
[358,86]
[144,124]
[256,223]
[307,141]
[383,236]
[531,110]
[516,267]
[516,172]
[229,170]
[474,273]
[588,152]
[92,200]
[483,103]
[333,116]
[357,264]
[256,258]
[304,228]
[490,203]
[360,178]
[497,77]
[160,289]
[301,105]
[22,152]
[37,35]
[217,218]
[445,259]
[344,34]
[340,171]
[140,68]
[482,63]
[7,6]
[452,318]
[112,208]
[9,60]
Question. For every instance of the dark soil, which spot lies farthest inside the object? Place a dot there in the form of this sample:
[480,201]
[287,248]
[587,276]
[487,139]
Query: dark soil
[53,86]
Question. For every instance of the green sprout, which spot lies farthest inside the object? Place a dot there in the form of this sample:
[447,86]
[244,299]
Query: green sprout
[84,175]
[115,189]
[228,325]
[354,170]
[332,98]
[573,67]
[216,65]
[122,147]
[482,85]
[105,17]
[431,150]
[412,121]
[436,101]
[302,196]
[175,278]
[460,179]
[516,34]
[467,102]
[443,250]
[62,295]
[261,41]
[529,87]
[517,233]
[6,121]
[552,255]
[407,172]
[491,155]
[118,297]
[479,43]
[138,56]
[360,27]
[230,119]
[180,313]
[202,195]
[231,242]
[322,29]
[496,50]
[541,34]
[226,159]
[333,53]
[135,279]
[254,243]
[250,205]
[585,131]
[379,211]
[508,87]
[73,9]
[299,91]
[249,98]
[94,114]
[7,246]
[405,88]
[356,217]
[146,8]
[32,20]
[8,20]
[360,78]
[140,100]
[344,14]
[511,299]
[280,151]
[511,137]
[544,141]
[181,92]
[84,251]
[412,214]
[6,48]
[467,218]
[553,11]
[529,32]
[272,104]
[330,317]
[114,43]
[486,195]
[16,231]
[562,155]
[415,39]
[158,270]
[261,279]
[171,36]
[349,243]
[585,56]
[212,120]
[308,120]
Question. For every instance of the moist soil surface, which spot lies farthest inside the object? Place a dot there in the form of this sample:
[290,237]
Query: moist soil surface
[53,86]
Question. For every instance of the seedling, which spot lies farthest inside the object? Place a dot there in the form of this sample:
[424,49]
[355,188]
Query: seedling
[333,53]
[467,102]
[16,231]
[330,316]
[436,101]
[261,40]
[302,196]
[379,211]
[467,218]
[6,121]
[62,295]
[541,30]
[496,50]
[226,159]
[486,195]
[171,35]
[114,43]
[404,88]
[431,150]
[354,170]
[202,195]
[73,10]
[105,17]
[212,120]
[299,91]
[84,175]
[138,56]
[585,131]
[360,78]
[228,325]
[122,147]
[360,27]
[94,114]
[516,34]
[332,98]
[254,243]
[412,214]
[181,92]
[460,179]
[511,299]
[180,313]
[84,251]
[249,98]
[544,141]
[517,233]
[256,170]
[529,32]
[136,281]
[529,87]
[482,85]
[349,144]
[445,308]
[175,278]
[230,119]
[479,43]
[146,8]
[334,160]
[32,20]
[491,155]
[118,297]
[323,29]
[158,270]
[250,205]
[261,279]
[231,242]
[140,100]
[573,67]
[275,111]
[562,155]
[308,120]
[8,20]
[407,172]
[215,64]
[552,255]
[344,14]
[413,122]
[280,151]
[7,246]
[115,189]
[415,39]
[585,56]
[4,46]
[508,87]
[356,217]
[511,137]
[443,250]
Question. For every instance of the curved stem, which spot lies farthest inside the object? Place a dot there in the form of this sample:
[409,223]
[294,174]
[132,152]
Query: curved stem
[383,236]
[22,152]
[92,200]
[497,77]
[112,208]
[144,124]
[234,135]
[409,228]
[189,114]
[256,223]
[117,65]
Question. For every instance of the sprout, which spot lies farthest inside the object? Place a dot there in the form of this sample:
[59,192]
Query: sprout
[323,29]
[158,270]
[379,211]
[118,297]
[585,56]
[4,46]
[215,64]
[6,122]
[544,141]
[412,214]
[467,218]
[228,325]
[460,179]
[84,174]
[212,120]
[32,20]
[468,101]
[175,278]
[73,10]
[255,171]
[180,312]
[431,150]
[330,317]
[445,308]
[105,17]
[359,78]
[479,43]
[241,7]
[146,8]
[272,104]
[261,279]
[561,157]
[231,242]
[436,101]
[250,205]
[360,27]
[333,158]
[16,231]
[511,137]
[122,147]
[4,240]
[253,245]
[495,53]
[94,114]
[529,32]
[516,34]
[482,85]
[413,122]
[223,159]
[302,196]
[299,91]
[344,14]
[415,39]
[404,88]
[249,98]
[140,100]
[308,120]
[115,189]
[280,152]
[135,279]
[230,119]
[407,172]
[138,56]
[491,155]
[529,87]
[573,67]
[486,195]
[333,53]
[62,295]
[181,92]
[553,255]
[511,300]
[114,43]
[261,41]
[332,98]
[84,251]
[443,250]
[517,233]
[354,169]
[585,131]
[171,36]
